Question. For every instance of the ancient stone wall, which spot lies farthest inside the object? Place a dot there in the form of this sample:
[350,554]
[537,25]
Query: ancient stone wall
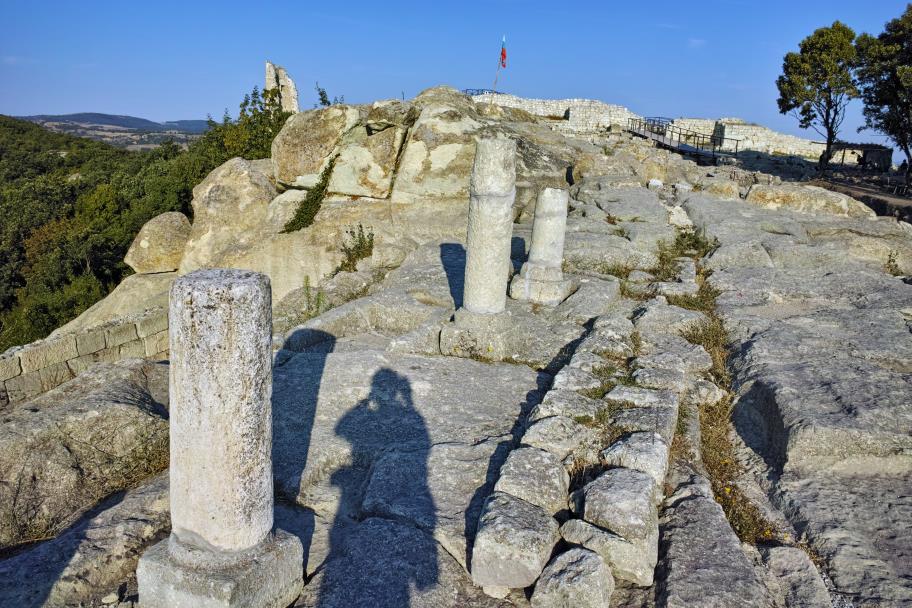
[570,115]
[30,370]
[764,139]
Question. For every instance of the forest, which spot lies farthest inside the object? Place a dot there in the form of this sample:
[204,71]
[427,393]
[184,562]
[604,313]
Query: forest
[70,208]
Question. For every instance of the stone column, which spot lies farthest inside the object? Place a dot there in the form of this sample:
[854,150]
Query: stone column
[222,550]
[541,279]
[492,192]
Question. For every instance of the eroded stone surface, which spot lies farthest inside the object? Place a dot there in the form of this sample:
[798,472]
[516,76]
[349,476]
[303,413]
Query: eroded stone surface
[513,544]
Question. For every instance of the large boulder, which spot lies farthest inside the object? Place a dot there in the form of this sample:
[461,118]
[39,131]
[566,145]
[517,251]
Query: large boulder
[808,199]
[159,245]
[62,452]
[440,148]
[305,144]
[366,163]
[229,212]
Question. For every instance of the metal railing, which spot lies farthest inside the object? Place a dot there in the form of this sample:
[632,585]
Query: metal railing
[667,133]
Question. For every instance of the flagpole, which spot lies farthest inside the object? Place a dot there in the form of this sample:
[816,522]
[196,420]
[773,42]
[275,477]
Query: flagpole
[494,90]
[500,62]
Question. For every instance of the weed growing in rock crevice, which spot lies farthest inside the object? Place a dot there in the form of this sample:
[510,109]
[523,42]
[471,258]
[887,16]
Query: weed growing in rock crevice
[308,208]
[357,246]
[688,243]
[705,298]
[716,448]
[890,266]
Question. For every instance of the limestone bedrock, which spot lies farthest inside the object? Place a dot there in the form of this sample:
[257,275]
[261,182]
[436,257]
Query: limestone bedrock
[541,279]
[490,228]
[221,387]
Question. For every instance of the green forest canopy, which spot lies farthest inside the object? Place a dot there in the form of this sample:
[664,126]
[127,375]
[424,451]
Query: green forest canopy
[70,207]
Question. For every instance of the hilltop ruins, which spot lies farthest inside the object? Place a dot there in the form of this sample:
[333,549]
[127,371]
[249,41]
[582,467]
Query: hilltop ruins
[574,369]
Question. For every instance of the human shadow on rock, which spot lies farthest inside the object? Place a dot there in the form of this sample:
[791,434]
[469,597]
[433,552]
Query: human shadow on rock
[378,561]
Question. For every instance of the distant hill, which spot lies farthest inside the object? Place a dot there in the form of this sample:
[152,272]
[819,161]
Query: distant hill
[122,131]
[127,122]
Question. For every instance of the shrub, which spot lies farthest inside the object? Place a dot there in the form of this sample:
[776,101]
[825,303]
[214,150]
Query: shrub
[357,246]
[308,208]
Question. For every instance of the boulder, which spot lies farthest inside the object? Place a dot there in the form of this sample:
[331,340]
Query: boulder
[159,245]
[365,164]
[229,211]
[304,146]
[63,451]
[807,199]
[577,578]
[440,148]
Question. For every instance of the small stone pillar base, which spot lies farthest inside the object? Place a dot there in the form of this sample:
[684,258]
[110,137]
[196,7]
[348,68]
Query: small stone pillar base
[266,576]
[476,335]
[540,284]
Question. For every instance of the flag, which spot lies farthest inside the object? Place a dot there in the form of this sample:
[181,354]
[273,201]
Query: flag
[503,53]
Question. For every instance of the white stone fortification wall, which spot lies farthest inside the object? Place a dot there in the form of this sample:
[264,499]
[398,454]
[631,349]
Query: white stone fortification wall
[35,368]
[570,115]
[763,139]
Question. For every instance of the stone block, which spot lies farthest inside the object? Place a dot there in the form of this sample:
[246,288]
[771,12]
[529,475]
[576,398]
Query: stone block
[134,348]
[644,452]
[119,334]
[23,387]
[269,577]
[44,354]
[9,367]
[156,343]
[559,435]
[152,324]
[634,562]
[514,541]
[90,342]
[31,384]
[537,477]
[619,500]
[578,578]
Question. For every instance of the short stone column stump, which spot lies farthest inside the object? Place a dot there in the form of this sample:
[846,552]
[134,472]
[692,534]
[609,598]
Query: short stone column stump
[541,279]
[223,551]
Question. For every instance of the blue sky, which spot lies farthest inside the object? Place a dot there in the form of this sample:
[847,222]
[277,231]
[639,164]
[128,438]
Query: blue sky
[169,60]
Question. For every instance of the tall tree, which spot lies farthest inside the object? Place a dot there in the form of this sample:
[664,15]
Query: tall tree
[885,78]
[816,83]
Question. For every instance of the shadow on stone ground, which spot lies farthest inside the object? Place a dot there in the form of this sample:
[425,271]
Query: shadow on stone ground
[390,398]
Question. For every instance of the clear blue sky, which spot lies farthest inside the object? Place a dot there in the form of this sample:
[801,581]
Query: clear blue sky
[167,60]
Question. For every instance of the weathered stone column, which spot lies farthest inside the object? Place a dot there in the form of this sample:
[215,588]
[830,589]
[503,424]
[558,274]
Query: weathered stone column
[492,192]
[222,550]
[482,322]
[541,279]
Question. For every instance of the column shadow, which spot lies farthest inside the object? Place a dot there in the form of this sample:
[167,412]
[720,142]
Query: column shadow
[292,427]
[453,260]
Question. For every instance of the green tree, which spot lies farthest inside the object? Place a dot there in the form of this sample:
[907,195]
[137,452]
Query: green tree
[817,84]
[885,79]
